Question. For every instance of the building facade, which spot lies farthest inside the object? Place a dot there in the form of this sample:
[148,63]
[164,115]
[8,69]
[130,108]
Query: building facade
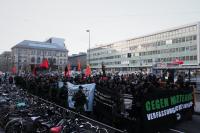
[5,61]
[28,54]
[162,47]
[75,58]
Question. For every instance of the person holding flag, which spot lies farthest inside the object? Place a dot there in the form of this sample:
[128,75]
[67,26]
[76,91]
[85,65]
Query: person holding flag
[14,69]
[67,71]
[44,64]
[88,71]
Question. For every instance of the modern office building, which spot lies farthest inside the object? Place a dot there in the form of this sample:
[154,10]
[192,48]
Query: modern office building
[75,58]
[5,61]
[28,54]
[150,50]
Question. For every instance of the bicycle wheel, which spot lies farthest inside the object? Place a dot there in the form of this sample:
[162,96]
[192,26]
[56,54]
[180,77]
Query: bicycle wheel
[13,126]
[42,129]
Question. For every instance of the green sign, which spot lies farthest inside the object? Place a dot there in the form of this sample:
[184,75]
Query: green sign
[157,104]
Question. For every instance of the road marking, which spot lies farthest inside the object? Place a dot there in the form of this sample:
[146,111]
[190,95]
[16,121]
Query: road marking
[174,130]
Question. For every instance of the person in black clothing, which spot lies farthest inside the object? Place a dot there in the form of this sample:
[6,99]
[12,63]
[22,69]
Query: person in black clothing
[80,100]
[63,95]
[10,80]
[180,82]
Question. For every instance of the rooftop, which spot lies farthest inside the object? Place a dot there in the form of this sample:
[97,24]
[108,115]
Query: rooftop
[41,45]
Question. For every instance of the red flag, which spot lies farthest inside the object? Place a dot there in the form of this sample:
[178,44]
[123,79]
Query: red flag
[79,65]
[45,64]
[14,69]
[88,71]
[177,61]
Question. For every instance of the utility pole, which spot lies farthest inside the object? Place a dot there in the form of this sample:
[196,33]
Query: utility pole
[89,48]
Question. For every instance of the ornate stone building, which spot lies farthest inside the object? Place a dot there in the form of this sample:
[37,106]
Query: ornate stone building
[28,54]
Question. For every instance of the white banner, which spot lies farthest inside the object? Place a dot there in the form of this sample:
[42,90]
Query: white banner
[88,90]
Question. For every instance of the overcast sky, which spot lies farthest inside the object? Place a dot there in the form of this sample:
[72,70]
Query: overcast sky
[108,20]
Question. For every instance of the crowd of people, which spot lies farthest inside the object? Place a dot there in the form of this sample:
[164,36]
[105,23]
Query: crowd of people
[135,84]
[45,85]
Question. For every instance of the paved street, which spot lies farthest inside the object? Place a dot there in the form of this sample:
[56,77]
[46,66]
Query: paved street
[187,126]
[190,126]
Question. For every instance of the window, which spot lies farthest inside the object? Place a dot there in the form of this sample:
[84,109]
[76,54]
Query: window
[192,48]
[176,40]
[189,38]
[187,58]
[182,49]
[38,60]
[49,53]
[179,40]
[44,52]
[54,60]
[191,57]
[195,57]
[33,60]
[194,37]
[33,52]
[183,39]
[38,52]
[133,61]
[129,55]
[183,58]
[150,60]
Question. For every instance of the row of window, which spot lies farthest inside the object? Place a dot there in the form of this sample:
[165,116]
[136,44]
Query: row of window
[146,61]
[184,39]
[168,59]
[172,50]
[161,43]
[42,52]
[184,58]
[50,60]
[148,45]
[168,34]
[106,58]
[163,51]
[106,63]
[163,35]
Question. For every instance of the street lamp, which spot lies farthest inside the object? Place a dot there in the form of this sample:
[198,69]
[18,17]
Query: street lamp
[89,48]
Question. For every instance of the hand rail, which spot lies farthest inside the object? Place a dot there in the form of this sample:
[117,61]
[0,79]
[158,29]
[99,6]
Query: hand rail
[111,129]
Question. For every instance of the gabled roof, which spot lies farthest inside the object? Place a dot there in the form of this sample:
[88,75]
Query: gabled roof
[40,45]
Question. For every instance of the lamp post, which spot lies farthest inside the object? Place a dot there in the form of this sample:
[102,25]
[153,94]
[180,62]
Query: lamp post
[89,47]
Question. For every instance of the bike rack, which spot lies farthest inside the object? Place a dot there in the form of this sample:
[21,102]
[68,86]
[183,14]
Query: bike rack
[101,125]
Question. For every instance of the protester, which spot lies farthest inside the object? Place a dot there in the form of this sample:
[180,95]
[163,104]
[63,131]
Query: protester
[112,87]
[10,80]
[63,96]
[80,100]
